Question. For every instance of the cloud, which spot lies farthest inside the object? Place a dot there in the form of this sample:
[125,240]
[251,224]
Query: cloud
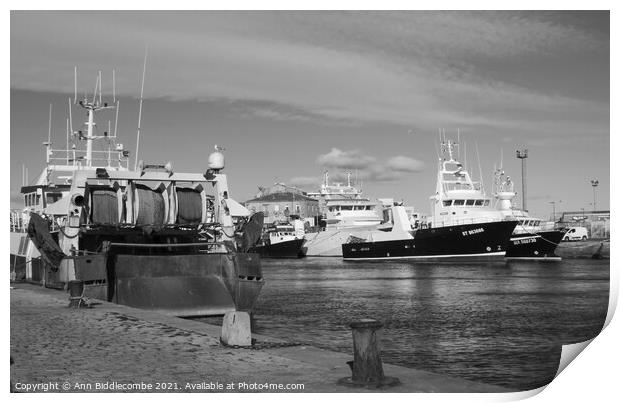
[380,173]
[405,164]
[352,159]
[367,167]
[305,181]
[419,68]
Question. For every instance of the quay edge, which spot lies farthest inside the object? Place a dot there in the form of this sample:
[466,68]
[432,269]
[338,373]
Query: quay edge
[119,343]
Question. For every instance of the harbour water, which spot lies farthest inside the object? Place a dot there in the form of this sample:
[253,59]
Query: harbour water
[501,323]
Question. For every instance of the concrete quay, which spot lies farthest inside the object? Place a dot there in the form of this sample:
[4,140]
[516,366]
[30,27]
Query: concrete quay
[111,348]
[584,249]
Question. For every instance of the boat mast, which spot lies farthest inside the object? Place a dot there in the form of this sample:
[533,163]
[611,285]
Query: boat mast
[91,109]
[48,144]
[140,110]
[89,136]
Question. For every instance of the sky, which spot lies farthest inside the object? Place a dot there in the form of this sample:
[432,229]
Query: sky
[291,94]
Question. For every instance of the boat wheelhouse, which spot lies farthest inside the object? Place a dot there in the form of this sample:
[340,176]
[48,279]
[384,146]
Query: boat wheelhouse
[458,199]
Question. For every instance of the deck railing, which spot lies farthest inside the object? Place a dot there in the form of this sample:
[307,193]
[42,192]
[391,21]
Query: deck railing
[17,221]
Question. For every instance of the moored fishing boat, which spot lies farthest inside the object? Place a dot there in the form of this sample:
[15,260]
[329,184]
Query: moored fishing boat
[284,240]
[462,225]
[149,237]
[345,213]
[533,238]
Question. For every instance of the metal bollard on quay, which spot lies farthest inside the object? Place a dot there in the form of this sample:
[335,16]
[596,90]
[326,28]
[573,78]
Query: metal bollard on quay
[366,367]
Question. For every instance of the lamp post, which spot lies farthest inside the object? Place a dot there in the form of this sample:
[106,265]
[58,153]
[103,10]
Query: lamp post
[594,183]
[553,204]
[522,155]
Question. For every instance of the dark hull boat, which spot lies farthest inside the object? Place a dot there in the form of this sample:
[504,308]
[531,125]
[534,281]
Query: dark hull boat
[462,225]
[471,242]
[538,246]
[181,282]
[282,250]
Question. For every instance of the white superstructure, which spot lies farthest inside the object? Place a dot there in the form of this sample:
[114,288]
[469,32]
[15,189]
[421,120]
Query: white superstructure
[346,213]
[458,199]
[504,193]
[343,206]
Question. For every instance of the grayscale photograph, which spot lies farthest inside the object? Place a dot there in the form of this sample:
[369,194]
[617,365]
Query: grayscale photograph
[306,201]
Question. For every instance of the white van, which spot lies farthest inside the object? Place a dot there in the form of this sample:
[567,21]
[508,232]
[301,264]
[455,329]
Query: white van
[576,234]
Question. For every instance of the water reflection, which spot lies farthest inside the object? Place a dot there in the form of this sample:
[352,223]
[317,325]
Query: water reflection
[497,323]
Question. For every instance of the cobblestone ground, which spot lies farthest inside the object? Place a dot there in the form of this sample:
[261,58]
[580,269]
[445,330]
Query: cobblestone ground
[53,343]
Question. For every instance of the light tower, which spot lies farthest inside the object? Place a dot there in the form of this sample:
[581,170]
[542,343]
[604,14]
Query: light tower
[522,155]
[553,203]
[594,183]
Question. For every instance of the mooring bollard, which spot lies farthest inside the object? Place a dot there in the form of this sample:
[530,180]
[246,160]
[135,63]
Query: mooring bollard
[76,294]
[236,330]
[366,367]
[599,252]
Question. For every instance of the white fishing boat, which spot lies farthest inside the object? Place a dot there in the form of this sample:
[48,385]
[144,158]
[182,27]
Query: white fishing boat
[345,213]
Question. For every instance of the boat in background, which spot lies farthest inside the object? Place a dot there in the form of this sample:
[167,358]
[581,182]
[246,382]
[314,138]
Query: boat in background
[282,240]
[345,213]
[533,238]
[462,226]
[150,237]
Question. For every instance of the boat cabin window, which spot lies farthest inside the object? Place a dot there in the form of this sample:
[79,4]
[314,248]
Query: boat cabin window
[52,197]
[452,186]
[486,202]
[347,208]
[459,202]
[368,207]
[470,202]
[479,202]
[447,203]
[32,199]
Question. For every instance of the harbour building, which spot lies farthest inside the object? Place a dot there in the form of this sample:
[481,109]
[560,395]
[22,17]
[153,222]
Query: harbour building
[280,201]
[596,222]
